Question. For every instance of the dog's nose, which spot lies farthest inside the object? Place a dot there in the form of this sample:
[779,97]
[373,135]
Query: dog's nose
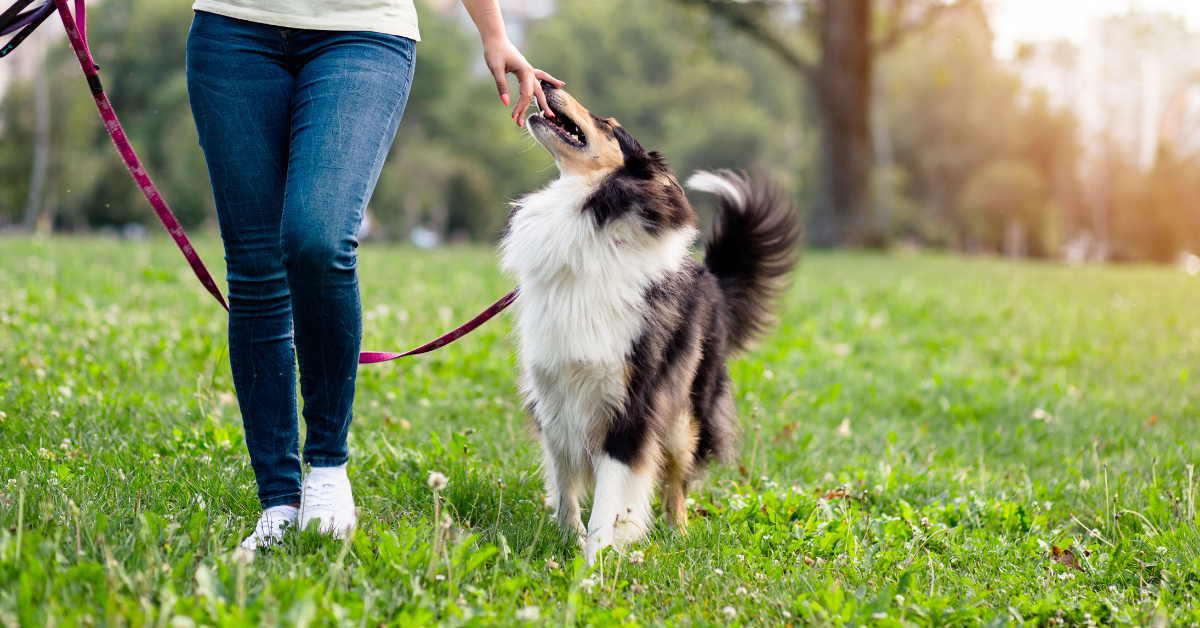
[547,86]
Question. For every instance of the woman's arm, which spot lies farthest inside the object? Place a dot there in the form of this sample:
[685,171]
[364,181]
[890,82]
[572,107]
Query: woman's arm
[503,57]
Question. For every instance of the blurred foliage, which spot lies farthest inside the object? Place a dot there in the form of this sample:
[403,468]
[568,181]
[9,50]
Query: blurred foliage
[1001,192]
[963,130]
[140,46]
[1156,214]
[680,80]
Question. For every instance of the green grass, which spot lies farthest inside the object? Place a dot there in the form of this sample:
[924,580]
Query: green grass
[920,435]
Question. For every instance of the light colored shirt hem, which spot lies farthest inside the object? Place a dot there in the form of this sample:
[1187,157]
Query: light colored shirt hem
[401,28]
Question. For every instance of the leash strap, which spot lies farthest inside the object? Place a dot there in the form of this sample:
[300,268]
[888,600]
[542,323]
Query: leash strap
[30,20]
[76,28]
[374,357]
[76,32]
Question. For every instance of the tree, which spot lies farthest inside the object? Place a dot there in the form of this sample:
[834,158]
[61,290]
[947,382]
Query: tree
[841,78]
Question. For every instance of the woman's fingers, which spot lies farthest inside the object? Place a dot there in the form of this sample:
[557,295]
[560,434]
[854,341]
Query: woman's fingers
[498,74]
[545,76]
[528,85]
[537,89]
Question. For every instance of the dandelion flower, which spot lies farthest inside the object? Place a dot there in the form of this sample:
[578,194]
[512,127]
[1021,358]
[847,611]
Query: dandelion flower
[729,612]
[437,480]
[637,556]
[587,584]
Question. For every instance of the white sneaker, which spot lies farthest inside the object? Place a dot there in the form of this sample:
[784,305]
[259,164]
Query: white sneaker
[327,499]
[271,525]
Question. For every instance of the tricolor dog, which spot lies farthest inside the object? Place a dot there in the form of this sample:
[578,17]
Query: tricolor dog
[623,335]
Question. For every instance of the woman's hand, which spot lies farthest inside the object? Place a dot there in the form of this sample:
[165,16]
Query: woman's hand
[502,57]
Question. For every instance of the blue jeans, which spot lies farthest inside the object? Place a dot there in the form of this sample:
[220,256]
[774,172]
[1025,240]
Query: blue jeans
[295,126]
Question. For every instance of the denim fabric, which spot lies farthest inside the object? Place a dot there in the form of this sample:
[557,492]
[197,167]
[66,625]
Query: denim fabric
[295,126]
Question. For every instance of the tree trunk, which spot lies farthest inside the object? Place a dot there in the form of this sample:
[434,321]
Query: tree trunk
[843,82]
[41,136]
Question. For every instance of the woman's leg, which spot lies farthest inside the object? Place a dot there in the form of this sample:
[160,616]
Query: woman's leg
[241,89]
[350,93]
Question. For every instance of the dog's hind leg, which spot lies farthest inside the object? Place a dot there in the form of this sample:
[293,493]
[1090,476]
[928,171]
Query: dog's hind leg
[679,447]
[621,508]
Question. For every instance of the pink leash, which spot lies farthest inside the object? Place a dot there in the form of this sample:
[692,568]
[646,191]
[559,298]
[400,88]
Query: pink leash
[78,37]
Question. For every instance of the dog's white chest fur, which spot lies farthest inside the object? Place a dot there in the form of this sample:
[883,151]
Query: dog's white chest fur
[581,287]
[580,309]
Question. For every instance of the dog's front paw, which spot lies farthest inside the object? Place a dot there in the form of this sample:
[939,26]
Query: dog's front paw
[596,542]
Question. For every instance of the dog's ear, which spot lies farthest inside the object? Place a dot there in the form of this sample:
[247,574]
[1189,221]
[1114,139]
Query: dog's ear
[629,146]
[638,161]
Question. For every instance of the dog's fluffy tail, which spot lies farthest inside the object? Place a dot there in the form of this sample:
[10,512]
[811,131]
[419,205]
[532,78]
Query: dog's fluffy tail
[754,243]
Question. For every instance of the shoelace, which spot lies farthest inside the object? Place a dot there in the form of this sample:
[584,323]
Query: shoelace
[270,525]
[320,495]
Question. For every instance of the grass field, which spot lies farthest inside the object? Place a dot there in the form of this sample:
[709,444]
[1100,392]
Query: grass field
[928,441]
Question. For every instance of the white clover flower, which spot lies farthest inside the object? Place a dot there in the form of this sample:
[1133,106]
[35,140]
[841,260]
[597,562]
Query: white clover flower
[528,613]
[437,480]
[551,564]
[440,577]
[729,612]
[719,572]
[741,591]
[787,615]
[637,556]
[42,452]
[587,584]
[1084,485]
